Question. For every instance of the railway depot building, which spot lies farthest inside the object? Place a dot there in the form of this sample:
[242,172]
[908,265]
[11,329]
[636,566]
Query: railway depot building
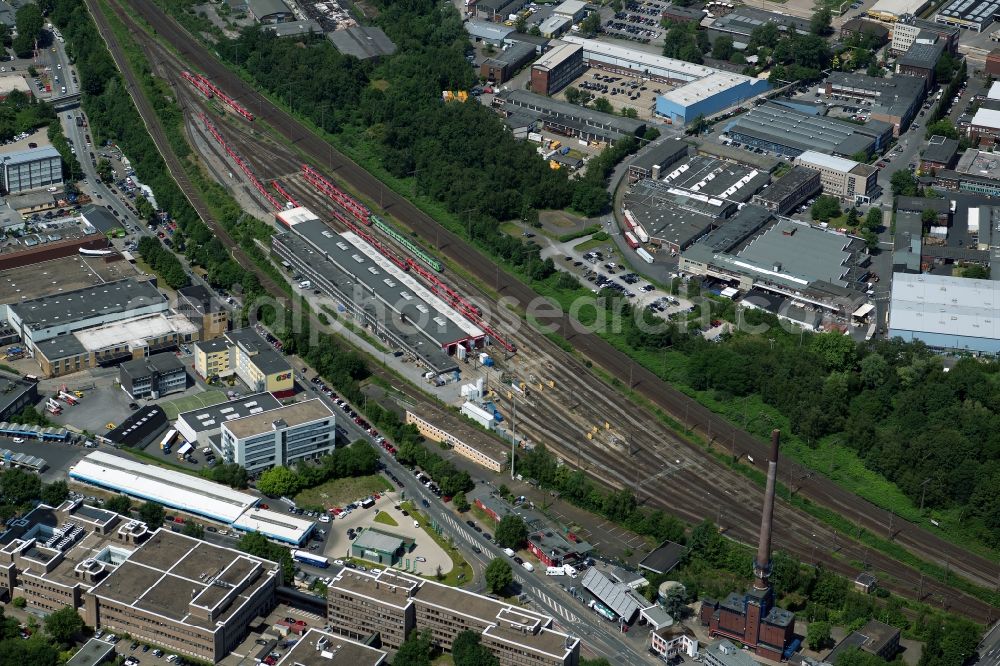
[160,587]
[394,604]
[375,291]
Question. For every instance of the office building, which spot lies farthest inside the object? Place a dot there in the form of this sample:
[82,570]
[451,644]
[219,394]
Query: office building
[318,648]
[849,181]
[985,127]
[673,641]
[876,638]
[973,15]
[125,578]
[394,604]
[206,311]
[40,319]
[790,191]
[946,312]
[15,395]
[32,169]
[270,11]
[246,354]
[787,131]
[152,376]
[824,268]
[502,66]
[190,494]
[474,446]
[706,96]
[940,153]
[895,101]
[920,60]
[143,427]
[575,10]
[656,160]
[912,29]
[203,426]
[741,21]
[557,68]
[284,436]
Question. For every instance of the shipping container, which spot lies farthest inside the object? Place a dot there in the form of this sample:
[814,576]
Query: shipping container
[630,219]
[641,234]
[646,256]
[631,240]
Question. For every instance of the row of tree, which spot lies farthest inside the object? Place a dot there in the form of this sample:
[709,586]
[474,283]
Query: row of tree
[163,262]
[358,459]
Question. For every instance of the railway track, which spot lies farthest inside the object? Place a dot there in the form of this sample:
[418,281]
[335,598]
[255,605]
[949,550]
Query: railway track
[694,490]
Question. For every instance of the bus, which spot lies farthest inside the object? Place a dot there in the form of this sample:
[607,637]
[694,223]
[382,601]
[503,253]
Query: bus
[307,558]
[168,440]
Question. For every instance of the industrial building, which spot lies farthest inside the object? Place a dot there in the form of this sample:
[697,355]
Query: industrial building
[907,247]
[380,547]
[632,62]
[498,10]
[502,66]
[911,29]
[284,436]
[393,605]
[15,395]
[741,21]
[203,426]
[977,172]
[318,648]
[992,67]
[362,42]
[946,312]
[205,310]
[625,604]
[555,26]
[557,68]
[724,653]
[895,101]
[485,452]
[112,343]
[487,32]
[850,181]
[920,60]
[891,11]
[568,119]
[790,191]
[787,131]
[711,94]
[876,638]
[576,10]
[32,169]
[985,127]
[375,291]
[975,15]
[269,11]
[190,597]
[663,560]
[816,266]
[251,358]
[554,550]
[152,376]
[190,494]
[752,618]
[143,427]
[40,319]
[940,153]
[695,197]
[656,159]
[295,28]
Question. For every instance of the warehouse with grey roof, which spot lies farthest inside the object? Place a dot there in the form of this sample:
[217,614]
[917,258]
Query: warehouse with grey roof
[362,42]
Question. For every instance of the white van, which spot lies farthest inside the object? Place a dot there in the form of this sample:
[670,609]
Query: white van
[555,571]
[305,284]
[528,566]
[508,552]
[569,570]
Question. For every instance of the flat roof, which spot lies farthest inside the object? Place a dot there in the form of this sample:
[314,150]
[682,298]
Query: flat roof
[705,88]
[362,42]
[213,416]
[389,588]
[788,183]
[545,641]
[923,55]
[395,288]
[804,254]
[162,363]
[743,20]
[941,149]
[487,29]
[12,388]
[137,330]
[274,524]
[570,7]
[30,155]
[946,305]
[557,55]
[99,218]
[142,424]
[479,607]
[827,161]
[293,28]
[664,558]
[60,346]
[897,7]
[93,653]
[88,302]
[679,69]
[60,275]
[267,359]
[561,111]
[803,131]
[894,96]
[292,415]
[318,648]
[986,118]
[979,12]
[658,154]
[554,22]
[379,540]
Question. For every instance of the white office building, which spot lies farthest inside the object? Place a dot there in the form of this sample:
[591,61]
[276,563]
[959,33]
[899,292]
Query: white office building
[283,436]
[31,169]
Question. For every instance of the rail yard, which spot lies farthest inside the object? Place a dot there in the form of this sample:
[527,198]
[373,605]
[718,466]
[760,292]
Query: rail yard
[637,451]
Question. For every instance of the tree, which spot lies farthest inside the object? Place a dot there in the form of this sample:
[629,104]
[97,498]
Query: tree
[511,532]
[723,48]
[193,529]
[573,95]
[152,514]
[591,25]
[521,24]
[852,217]
[62,625]
[119,504]
[818,635]
[278,481]
[18,487]
[873,221]
[416,650]
[104,173]
[55,493]
[874,370]
[820,22]
[825,208]
[903,183]
[461,502]
[977,272]
[629,112]
[499,575]
[466,650]
[603,105]
[257,544]
[943,127]
[871,239]
[835,351]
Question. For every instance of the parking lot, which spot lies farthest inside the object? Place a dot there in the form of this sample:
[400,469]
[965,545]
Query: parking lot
[638,22]
[59,456]
[620,90]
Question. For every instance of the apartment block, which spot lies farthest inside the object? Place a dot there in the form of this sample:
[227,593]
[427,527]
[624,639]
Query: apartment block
[394,604]
[283,436]
[163,588]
